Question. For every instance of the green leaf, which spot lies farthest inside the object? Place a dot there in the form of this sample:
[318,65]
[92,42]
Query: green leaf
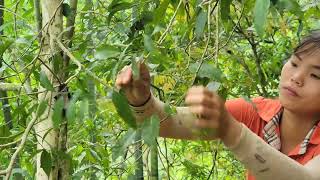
[121,104]
[41,108]
[18,172]
[95,155]
[121,145]
[5,132]
[170,110]
[106,51]
[116,6]
[44,81]
[148,43]
[46,162]
[57,61]
[225,9]
[207,70]
[150,130]
[200,23]
[160,12]
[66,9]
[135,69]
[261,10]
[84,109]
[57,112]
[213,86]
[72,108]
[5,44]
[290,5]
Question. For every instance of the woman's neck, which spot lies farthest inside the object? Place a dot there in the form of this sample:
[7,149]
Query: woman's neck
[295,126]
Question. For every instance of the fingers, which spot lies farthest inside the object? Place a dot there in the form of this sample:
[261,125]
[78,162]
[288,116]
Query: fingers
[124,77]
[206,105]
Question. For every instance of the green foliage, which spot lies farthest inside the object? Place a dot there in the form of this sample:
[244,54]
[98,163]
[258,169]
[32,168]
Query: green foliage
[200,23]
[121,104]
[41,108]
[150,130]
[116,6]
[45,82]
[66,9]
[110,34]
[46,162]
[261,10]
[106,51]
[57,112]
[122,145]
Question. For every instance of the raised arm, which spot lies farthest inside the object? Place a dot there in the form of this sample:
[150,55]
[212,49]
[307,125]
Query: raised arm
[179,126]
[259,158]
[207,111]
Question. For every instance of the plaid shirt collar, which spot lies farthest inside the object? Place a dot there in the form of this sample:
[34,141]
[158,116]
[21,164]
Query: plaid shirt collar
[271,134]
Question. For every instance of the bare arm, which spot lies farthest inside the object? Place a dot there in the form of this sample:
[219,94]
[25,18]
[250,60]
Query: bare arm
[260,158]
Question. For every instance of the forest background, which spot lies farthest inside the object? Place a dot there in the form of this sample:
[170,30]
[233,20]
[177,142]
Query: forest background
[61,116]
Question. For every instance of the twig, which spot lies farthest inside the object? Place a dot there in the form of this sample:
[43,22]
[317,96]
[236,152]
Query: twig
[207,44]
[27,94]
[20,147]
[163,36]
[9,86]
[15,18]
[12,12]
[217,36]
[80,66]
[10,143]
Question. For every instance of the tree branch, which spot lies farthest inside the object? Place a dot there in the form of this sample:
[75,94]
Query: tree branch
[38,17]
[24,137]
[80,66]
[163,36]
[9,86]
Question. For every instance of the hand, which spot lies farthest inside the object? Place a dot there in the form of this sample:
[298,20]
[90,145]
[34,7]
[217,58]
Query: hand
[136,91]
[212,114]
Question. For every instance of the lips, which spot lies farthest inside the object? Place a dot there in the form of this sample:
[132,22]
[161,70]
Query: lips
[290,91]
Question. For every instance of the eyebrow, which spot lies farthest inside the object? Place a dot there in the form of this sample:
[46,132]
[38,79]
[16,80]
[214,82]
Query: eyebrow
[314,66]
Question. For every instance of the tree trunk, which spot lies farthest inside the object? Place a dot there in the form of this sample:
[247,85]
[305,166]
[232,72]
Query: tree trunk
[5,102]
[47,136]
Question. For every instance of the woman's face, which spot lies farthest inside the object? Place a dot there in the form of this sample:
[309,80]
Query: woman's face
[299,88]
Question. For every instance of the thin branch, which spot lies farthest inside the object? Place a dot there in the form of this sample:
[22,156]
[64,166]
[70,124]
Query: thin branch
[15,18]
[8,171]
[9,86]
[80,66]
[38,17]
[217,35]
[163,36]
[28,94]
[207,44]
[12,12]
[10,144]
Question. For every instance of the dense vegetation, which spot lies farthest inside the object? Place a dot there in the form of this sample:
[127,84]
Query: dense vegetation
[58,75]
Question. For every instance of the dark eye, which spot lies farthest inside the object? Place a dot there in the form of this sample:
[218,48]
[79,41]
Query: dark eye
[294,64]
[315,76]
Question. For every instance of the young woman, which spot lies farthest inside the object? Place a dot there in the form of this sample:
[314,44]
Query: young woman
[274,139]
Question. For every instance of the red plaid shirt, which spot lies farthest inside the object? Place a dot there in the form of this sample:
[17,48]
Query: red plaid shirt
[262,116]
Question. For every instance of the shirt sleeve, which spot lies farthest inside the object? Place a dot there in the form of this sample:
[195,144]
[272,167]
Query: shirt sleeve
[243,111]
[266,163]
